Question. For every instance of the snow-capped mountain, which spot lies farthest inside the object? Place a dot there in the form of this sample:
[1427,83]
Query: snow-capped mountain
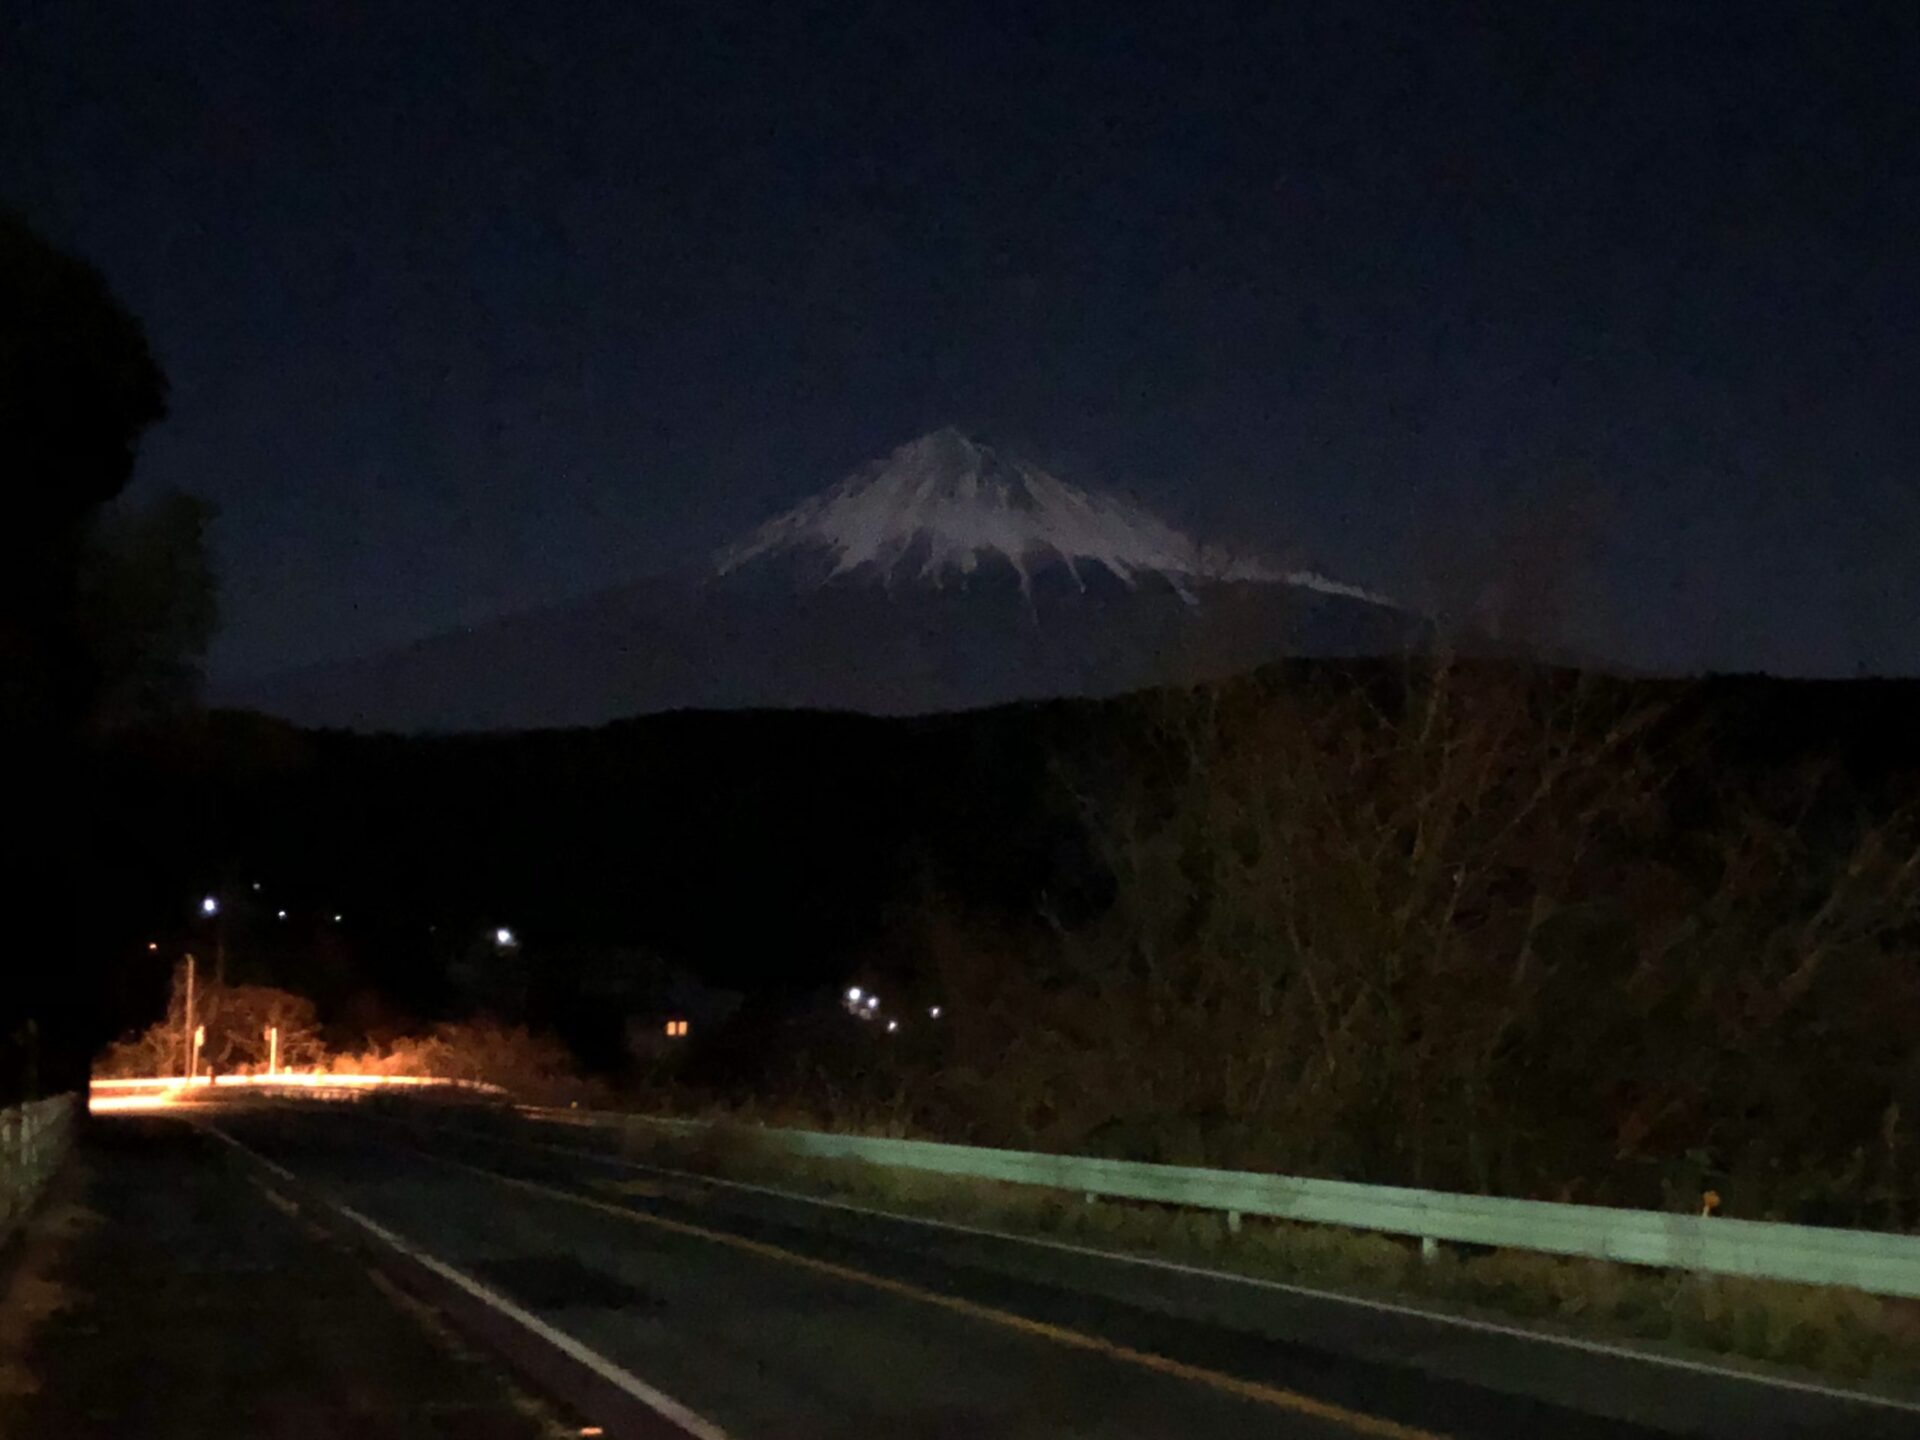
[945,505]
[943,576]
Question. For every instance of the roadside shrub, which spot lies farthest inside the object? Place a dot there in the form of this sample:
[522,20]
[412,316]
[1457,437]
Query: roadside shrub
[528,1065]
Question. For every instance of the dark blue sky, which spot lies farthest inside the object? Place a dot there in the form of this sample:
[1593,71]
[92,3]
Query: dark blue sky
[472,305]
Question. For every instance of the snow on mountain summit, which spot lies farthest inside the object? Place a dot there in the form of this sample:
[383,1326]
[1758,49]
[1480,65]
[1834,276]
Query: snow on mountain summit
[944,504]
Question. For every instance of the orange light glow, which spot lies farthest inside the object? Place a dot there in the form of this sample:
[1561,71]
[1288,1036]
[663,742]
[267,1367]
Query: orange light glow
[153,1092]
[151,1100]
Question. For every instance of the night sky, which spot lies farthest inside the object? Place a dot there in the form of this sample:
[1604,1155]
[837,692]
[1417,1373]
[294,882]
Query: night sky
[469,306]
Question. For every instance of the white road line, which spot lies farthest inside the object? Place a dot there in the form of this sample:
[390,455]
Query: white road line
[247,1150]
[658,1401]
[1441,1317]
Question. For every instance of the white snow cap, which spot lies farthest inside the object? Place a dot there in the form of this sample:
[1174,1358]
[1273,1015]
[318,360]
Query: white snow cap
[952,503]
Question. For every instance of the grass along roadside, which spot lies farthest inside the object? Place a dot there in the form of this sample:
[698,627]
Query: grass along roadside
[1829,1333]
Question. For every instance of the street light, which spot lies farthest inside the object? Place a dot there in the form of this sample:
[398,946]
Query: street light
[853,993]
[210,909]
[503,937]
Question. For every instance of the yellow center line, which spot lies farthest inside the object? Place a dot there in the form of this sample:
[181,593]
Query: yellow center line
[1359,1422]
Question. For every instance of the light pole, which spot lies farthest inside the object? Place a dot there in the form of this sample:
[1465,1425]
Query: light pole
[216,912]
[186,1028]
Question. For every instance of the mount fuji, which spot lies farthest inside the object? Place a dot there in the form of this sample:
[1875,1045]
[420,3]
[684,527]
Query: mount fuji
[944,576]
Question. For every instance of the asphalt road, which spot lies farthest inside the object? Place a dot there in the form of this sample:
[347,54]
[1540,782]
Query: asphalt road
[750,1315]
[162,1293]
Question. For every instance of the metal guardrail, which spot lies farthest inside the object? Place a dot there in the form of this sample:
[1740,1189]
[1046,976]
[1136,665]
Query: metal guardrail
[1877,1262]
[34,1139]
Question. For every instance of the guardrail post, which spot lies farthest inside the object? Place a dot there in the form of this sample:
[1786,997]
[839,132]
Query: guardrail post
[1429,1249]
[1233,1222]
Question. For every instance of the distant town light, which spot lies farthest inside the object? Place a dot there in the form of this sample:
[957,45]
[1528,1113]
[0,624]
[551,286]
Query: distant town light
[503,937]
[210,906]
[892,1025]
[153,945]
[873,1002]
[933,1012]
[336,919]
[256,887]
[853,993]
[279,914]
[676,1029]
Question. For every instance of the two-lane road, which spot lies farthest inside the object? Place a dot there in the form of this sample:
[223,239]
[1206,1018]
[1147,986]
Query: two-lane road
[753,1315]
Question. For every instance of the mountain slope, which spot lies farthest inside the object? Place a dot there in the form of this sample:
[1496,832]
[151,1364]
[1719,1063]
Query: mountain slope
[944,504]
[942,577]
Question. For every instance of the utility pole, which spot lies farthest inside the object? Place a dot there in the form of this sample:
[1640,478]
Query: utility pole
[186,1036]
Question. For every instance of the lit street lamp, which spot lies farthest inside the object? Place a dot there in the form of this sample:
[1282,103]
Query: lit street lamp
[210,909]
[504,938]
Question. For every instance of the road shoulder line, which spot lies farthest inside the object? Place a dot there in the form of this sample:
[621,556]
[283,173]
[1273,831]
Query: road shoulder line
[498,1318]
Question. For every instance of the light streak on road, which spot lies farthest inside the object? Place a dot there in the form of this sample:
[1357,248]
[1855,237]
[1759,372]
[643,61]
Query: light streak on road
[156,1092]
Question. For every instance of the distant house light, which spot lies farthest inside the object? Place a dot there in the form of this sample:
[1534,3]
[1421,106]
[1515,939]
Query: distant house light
[210,906]
[503,937]
[676,1029]
[854,993]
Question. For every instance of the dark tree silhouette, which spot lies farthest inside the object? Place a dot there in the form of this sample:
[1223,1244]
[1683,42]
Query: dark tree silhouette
[78,386]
